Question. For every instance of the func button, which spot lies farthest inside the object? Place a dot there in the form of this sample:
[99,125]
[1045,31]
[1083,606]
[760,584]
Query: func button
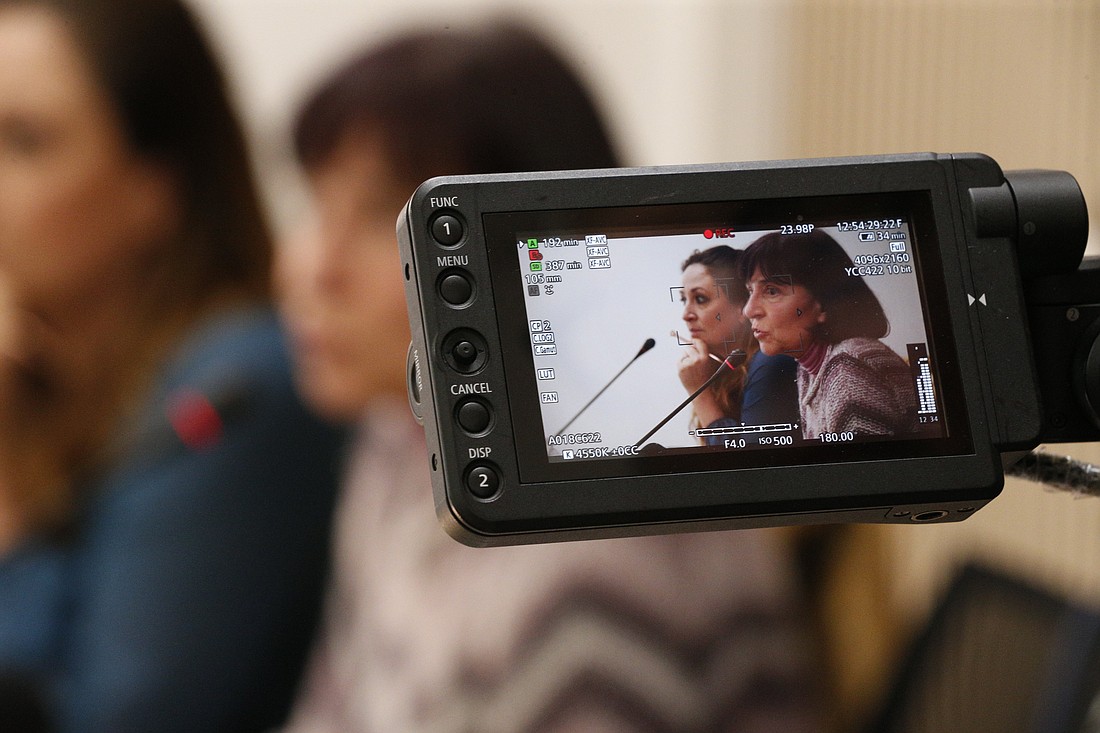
[447,229]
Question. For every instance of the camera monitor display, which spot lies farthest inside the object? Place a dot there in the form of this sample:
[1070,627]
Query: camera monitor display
[641,340]
[619,352]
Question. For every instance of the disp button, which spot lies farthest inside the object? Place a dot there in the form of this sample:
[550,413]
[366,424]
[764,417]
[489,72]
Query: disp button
[483,482]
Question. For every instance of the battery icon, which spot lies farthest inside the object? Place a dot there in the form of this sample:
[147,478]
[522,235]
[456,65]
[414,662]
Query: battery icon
[866,236]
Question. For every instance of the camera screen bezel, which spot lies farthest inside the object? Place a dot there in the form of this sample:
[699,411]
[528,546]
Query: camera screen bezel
[855,486]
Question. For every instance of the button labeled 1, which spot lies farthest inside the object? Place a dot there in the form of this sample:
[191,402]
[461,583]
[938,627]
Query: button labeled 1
[447,230]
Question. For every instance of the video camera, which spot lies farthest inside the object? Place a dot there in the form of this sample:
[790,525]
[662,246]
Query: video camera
[548,315]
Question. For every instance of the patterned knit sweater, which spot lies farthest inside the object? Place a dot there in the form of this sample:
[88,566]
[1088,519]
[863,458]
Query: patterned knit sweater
[686,633]
[861,386]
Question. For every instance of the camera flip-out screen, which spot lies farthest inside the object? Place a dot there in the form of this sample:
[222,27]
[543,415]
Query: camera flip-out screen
[605,353]
[597,310]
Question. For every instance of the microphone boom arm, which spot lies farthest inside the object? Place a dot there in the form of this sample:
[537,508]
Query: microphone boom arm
[649,344]
[736,356]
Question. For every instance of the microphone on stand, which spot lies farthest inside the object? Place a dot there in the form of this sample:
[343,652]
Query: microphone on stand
[649,344]
[735,359]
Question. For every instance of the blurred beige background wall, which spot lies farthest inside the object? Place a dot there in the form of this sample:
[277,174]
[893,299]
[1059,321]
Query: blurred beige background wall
[706,80]
[1019,81]
[680,80]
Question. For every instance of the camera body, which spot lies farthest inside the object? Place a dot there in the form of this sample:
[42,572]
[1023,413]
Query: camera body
[530,294]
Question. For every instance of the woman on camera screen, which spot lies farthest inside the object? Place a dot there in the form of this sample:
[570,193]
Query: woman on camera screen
[802,302]
[761,390]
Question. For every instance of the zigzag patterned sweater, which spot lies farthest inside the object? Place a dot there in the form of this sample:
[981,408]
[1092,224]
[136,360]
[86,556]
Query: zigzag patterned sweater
[687,633]
[861,386]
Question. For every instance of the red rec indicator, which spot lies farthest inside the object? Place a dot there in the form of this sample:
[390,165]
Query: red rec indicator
[718,233]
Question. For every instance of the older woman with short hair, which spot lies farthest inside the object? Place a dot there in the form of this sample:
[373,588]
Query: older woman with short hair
[802,303]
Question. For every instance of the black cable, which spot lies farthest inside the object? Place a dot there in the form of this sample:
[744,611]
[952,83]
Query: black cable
[1058,472]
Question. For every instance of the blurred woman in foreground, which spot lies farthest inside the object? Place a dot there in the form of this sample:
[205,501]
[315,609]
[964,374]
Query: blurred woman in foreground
[164,500]
[675,633]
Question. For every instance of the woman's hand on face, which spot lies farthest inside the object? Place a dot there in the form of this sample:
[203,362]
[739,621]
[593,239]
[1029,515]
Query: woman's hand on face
[695,365]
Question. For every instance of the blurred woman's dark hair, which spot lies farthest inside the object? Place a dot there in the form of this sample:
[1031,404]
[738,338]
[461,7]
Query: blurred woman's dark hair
[459,102]
[162,77]
[817,262]
[153,64]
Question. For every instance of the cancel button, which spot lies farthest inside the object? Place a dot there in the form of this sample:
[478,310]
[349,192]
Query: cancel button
[474,417]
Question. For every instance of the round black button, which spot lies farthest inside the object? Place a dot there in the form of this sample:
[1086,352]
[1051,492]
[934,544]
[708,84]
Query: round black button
[483,482]
[447,230]
[474,417]
[465,353]
[456,289]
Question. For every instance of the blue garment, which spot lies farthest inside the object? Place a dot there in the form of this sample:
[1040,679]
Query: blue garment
[769,397]
[187,597]
[771,391]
